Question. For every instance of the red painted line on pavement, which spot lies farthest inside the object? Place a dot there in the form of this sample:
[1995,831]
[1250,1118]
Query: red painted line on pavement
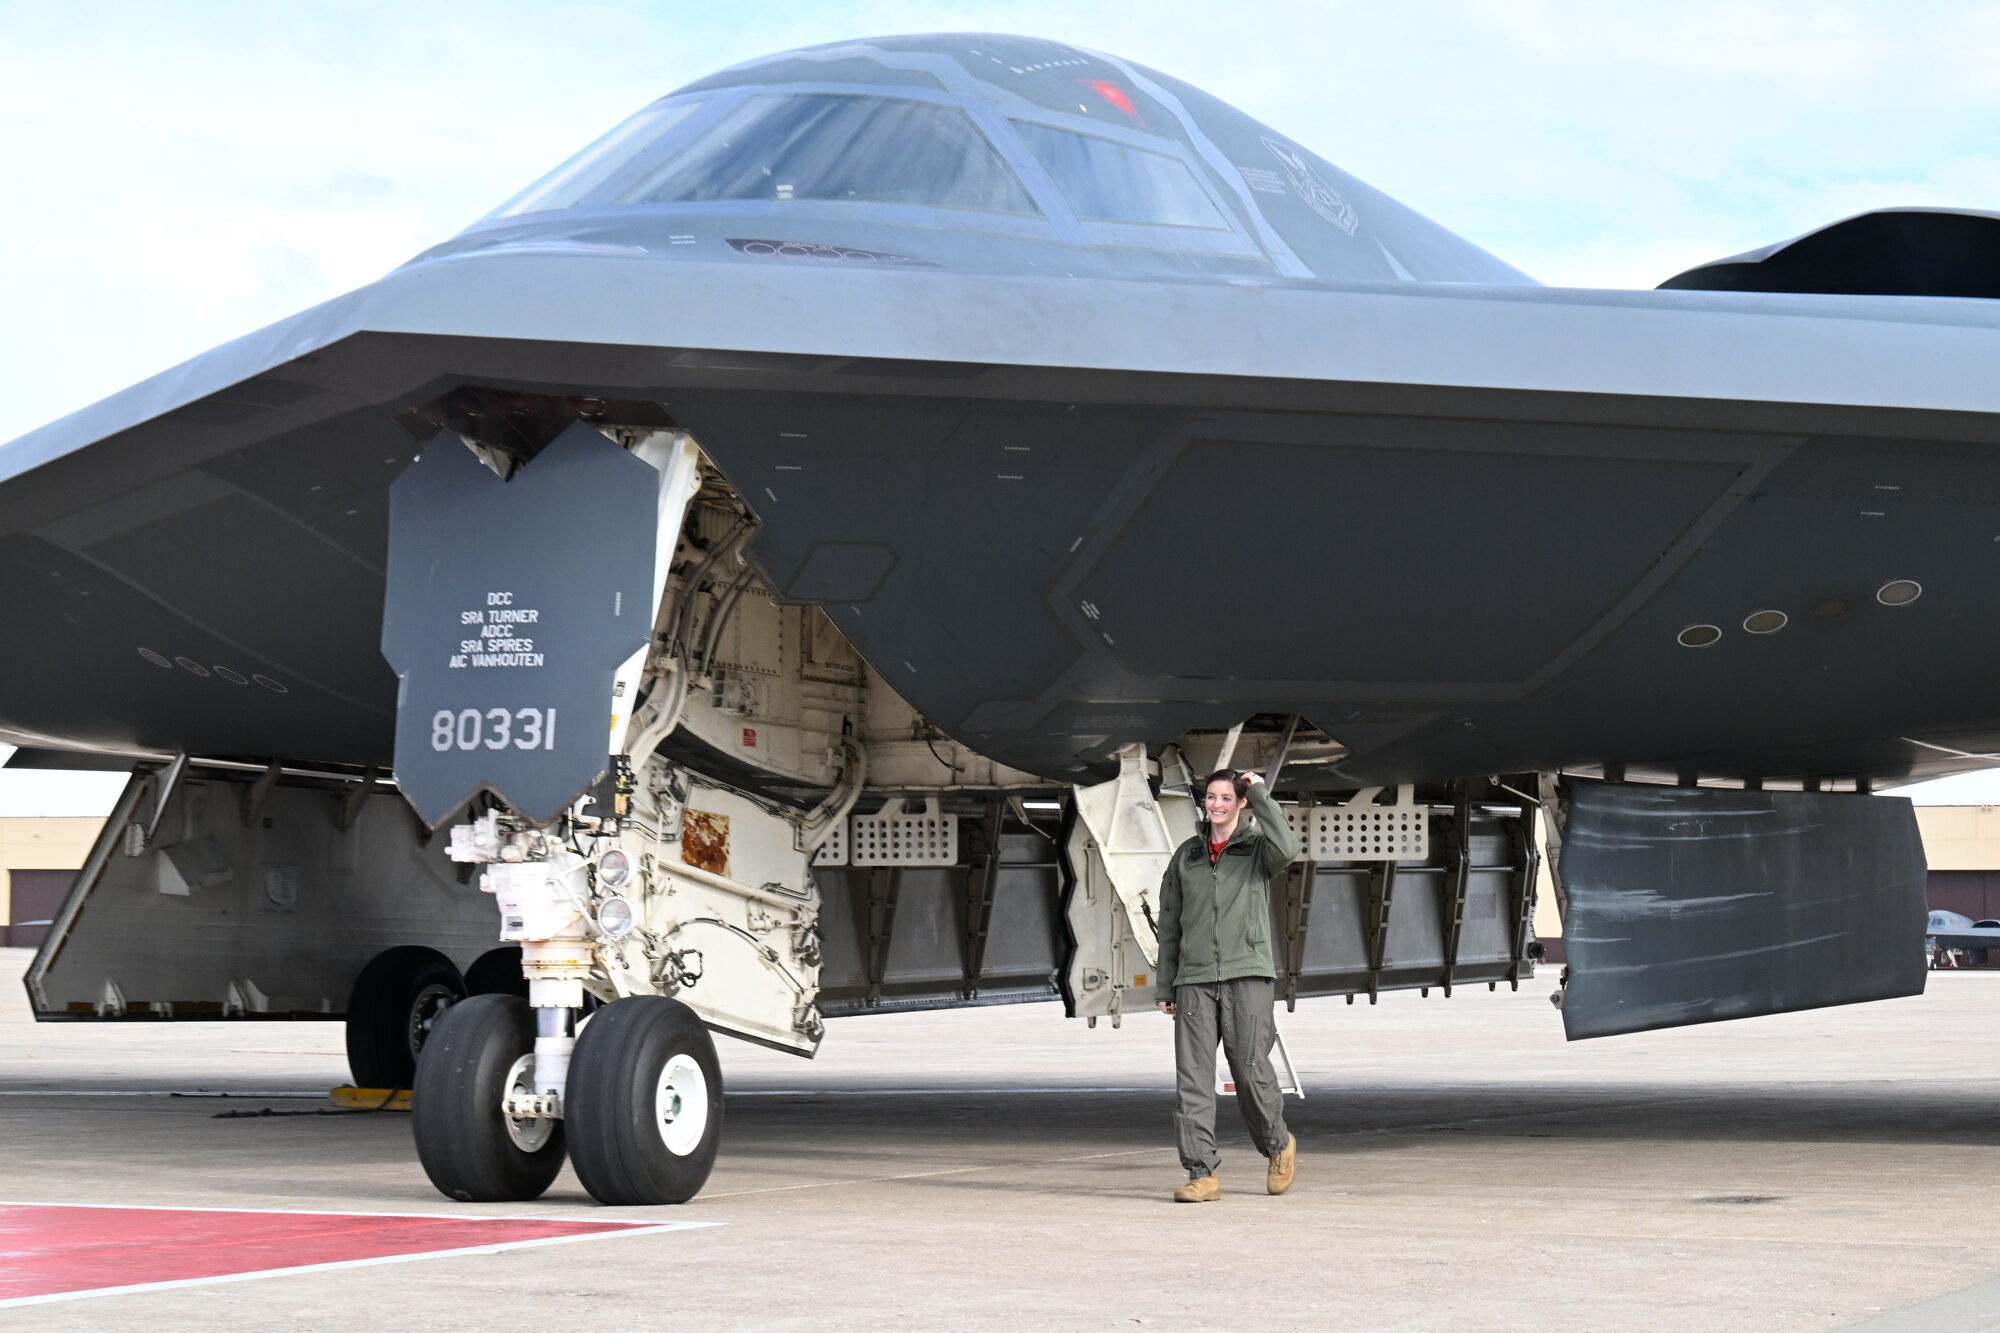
[64,1251]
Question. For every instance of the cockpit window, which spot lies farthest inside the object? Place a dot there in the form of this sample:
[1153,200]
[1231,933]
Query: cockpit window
[836,147]
[1106,181]
[594,165]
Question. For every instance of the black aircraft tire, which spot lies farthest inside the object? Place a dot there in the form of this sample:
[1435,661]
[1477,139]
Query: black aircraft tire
[470,1150]
[395,1004]
[497,972]
[644,1107]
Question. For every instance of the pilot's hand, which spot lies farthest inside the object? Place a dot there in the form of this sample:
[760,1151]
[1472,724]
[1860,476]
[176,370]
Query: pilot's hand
[1166,1007]
[1254,779]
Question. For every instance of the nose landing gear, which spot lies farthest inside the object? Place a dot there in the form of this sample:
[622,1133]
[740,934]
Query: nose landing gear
[641,1117]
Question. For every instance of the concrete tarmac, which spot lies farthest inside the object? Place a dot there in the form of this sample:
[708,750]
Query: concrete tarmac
[1460,1166]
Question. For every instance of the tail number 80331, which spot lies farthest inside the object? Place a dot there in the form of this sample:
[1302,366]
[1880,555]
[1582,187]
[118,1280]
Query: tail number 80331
[494,729]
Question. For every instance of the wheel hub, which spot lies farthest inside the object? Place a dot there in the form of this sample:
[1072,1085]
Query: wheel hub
[681,1105]
[529,1133]
[425,1010]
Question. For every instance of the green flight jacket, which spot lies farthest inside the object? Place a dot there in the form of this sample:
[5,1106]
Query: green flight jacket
[1215,920]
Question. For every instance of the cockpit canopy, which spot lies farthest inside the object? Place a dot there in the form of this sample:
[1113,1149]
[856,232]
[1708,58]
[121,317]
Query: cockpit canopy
[994,144]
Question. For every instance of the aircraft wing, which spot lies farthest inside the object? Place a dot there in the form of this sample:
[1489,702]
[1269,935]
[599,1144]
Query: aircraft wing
[1965,939]
[996,457]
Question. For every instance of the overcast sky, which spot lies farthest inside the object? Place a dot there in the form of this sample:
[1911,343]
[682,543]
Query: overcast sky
[179,174]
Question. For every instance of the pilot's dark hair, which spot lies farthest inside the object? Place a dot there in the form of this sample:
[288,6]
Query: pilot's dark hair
[1235,778]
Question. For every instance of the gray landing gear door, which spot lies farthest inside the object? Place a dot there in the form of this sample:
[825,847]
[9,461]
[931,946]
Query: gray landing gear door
[510,606]
[1691,905]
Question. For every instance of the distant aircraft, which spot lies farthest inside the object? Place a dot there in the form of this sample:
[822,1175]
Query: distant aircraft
[1948,932]
[922,437]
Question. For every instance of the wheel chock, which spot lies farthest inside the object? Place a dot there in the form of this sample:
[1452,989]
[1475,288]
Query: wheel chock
[370,1099]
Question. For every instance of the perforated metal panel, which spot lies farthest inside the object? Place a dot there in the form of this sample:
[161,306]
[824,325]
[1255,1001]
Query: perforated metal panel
[1362,830]
[892,837]
[833,852]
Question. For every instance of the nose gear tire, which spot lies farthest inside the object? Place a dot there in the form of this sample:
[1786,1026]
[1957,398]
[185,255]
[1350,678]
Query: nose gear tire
[645,1103]
[465,1143]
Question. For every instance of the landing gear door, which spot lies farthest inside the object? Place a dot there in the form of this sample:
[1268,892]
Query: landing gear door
[510,605]
[1118,847]
[1690,905]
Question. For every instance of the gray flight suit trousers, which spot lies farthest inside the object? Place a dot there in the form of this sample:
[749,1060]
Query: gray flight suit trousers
[1238,1014]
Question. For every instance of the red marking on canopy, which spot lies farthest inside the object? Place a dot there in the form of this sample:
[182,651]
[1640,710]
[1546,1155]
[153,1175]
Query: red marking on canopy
[1115,95]
[56,1250]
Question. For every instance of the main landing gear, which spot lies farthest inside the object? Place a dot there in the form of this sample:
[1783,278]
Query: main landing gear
[402,995]
[641,1113]
[396,1002]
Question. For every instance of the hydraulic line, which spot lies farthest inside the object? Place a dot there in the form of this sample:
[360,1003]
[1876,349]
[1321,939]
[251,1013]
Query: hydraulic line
[677,670]
[662,726]
[823,818]
[711,638]
[684,613]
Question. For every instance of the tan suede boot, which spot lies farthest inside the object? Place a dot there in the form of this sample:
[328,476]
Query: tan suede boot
[1203,1189]
[1279,1178]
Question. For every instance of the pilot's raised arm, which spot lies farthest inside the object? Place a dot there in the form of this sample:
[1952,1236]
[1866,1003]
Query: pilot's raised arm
[1280,845]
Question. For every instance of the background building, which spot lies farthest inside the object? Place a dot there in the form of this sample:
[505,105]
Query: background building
[1962,844]
[39,858]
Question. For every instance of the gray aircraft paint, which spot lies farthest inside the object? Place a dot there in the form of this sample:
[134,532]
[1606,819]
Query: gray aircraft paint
[510,605]
[1693,905]
[1712,453]
[1933,252]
